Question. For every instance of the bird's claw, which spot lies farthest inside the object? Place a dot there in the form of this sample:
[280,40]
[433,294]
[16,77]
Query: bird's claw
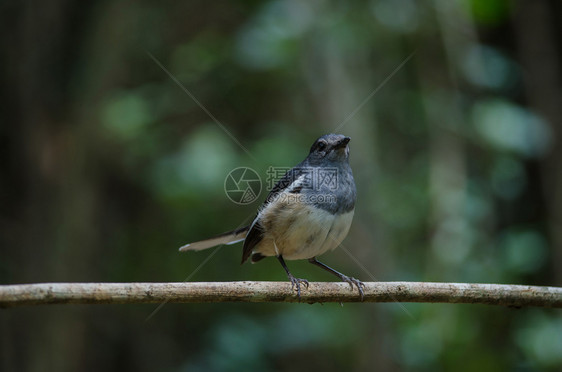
[296,283]
[359,284]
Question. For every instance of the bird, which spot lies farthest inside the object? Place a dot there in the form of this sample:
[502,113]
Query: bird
[307,213]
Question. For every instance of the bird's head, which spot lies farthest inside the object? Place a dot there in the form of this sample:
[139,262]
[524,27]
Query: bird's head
[330,147]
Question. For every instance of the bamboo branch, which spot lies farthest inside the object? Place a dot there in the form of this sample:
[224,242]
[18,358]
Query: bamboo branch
[137,293]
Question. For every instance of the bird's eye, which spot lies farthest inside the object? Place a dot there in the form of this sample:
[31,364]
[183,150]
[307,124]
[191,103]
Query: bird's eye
[321,146]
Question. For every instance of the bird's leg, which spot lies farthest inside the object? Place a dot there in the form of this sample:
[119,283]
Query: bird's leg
[345,278]
[295,282]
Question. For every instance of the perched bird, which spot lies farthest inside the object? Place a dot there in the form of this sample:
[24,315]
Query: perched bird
[308,212]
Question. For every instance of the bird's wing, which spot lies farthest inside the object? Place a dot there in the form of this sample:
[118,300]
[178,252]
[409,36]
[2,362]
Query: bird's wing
[289,182]
[254,236]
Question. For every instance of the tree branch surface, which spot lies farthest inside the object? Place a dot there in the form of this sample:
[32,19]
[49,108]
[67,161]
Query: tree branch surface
[199,292]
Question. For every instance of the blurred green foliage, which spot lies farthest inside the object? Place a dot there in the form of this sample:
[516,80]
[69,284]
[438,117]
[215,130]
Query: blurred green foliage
[111,167]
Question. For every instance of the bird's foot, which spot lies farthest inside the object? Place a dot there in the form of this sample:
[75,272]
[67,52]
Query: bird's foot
[352,281]
[296,283]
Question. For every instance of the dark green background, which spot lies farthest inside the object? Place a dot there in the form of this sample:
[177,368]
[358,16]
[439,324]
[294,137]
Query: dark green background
[108,166]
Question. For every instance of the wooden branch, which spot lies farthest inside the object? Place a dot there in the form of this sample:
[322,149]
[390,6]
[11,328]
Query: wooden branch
[137,293]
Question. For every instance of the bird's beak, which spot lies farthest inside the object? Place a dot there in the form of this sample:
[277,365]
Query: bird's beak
[343,143]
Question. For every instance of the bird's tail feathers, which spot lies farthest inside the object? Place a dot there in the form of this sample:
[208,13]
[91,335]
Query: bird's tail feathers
[230,237]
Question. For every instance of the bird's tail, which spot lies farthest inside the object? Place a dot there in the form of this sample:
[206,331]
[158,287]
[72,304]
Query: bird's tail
[230,237]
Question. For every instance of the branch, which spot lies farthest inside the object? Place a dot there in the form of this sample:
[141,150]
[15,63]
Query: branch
[137,293]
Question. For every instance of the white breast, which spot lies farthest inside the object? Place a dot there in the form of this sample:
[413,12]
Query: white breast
[300,231]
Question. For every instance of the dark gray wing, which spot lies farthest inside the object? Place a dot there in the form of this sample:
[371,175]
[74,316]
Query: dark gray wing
[255,234]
